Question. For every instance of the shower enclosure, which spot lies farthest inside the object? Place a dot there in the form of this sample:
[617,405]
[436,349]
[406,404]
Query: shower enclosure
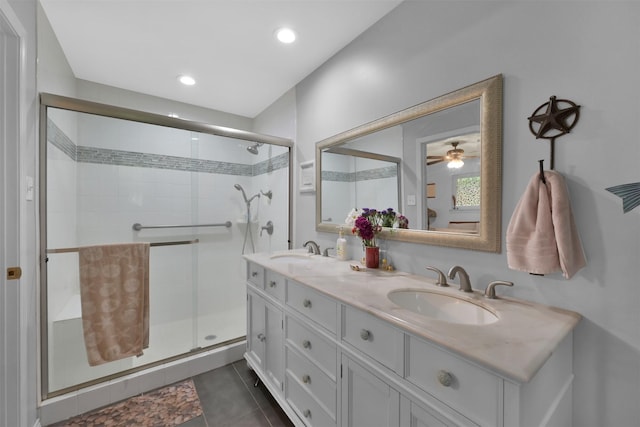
[111,175]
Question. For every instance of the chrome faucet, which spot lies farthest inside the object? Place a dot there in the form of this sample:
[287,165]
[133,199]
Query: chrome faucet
[465,285]
[313,247]
[442,279]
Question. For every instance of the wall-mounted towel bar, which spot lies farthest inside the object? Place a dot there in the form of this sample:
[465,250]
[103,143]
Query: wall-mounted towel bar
[177,242]
[137,226]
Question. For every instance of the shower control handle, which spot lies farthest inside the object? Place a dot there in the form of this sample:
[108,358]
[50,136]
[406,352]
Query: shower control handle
[268,227]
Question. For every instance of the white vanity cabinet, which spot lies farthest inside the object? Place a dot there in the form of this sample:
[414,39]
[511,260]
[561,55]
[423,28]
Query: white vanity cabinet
[330,363]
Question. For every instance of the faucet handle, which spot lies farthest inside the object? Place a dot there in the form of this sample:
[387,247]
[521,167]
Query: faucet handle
[490,292]
[325,253]
[442,279]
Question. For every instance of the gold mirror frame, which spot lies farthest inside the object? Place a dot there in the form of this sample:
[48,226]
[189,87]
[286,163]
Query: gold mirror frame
[489,92]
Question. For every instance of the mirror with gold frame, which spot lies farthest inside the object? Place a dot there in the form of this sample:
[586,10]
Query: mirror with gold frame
[449,151]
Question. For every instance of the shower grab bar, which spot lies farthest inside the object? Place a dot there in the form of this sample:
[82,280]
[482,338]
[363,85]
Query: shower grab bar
[137,226]
[177,242]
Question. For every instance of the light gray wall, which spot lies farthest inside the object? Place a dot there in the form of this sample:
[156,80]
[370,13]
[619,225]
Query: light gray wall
[584,51]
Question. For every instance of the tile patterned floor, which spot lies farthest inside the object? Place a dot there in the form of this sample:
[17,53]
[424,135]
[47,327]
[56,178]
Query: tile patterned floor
[228,398]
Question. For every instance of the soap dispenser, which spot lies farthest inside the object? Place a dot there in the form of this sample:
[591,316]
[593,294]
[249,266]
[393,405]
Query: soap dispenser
[341,246]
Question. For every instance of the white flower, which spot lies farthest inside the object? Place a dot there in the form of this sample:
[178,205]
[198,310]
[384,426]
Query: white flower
[351,218]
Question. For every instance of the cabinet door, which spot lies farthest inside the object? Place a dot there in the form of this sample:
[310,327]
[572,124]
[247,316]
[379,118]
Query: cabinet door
[256,333]
[265,338]
[414,415]
[274,360]
[366,399]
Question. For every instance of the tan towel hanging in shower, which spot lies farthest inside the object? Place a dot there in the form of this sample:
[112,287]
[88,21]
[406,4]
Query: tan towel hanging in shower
[114,291]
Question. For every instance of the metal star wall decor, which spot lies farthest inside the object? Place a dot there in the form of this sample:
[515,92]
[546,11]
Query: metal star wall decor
[630,194]
[558,118]
[555,121]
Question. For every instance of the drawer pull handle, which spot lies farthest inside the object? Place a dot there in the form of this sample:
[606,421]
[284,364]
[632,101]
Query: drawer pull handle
[306,303]
[307,413]
[365,335]
[445,378]
[306,344]
[262,337]
[306,379]
[254,273]
[272,283]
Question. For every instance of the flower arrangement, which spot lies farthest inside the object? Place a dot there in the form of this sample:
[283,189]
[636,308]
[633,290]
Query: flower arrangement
[367,223]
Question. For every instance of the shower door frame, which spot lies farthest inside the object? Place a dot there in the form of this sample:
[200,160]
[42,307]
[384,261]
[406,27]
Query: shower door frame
[82,106]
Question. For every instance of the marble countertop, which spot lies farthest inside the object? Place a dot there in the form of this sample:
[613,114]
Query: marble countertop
[515,346]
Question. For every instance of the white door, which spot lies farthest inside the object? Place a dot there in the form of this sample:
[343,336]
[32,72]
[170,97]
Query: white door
[10,389]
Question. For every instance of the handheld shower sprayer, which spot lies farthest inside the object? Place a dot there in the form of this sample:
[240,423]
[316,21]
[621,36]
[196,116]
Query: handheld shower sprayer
[247,201]
[244,195]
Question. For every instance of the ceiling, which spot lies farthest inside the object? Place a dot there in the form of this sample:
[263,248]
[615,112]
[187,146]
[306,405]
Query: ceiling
[228,46]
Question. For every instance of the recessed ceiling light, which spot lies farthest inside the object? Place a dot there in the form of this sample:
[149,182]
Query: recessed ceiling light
[186,80]
[286,35]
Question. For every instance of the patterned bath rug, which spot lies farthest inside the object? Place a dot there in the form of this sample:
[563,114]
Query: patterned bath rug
[166,407]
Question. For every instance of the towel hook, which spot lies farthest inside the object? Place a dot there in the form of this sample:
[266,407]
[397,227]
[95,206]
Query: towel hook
[541,162]
[554,122]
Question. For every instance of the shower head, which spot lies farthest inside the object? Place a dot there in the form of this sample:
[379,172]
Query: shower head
[253,149]
[239,187]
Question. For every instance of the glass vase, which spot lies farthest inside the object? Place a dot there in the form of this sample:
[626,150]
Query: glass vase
[372,256]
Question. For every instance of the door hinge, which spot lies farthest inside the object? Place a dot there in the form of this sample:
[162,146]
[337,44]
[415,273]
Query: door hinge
[341,370]
[14,273]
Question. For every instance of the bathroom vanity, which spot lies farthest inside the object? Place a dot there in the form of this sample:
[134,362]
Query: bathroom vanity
[334,349]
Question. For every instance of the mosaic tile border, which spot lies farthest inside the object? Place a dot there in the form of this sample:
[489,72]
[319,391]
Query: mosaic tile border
[104,156]
[366,175]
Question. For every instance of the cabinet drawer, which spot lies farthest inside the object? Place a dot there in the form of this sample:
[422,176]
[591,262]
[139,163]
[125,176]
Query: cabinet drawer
[316,383]
[255,275]
[374,337]
[317,307]
[274,285]
[312,345]
[307,408]
[461,385]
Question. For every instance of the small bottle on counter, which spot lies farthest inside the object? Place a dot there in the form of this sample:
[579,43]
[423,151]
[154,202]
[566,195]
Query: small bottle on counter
[341,246]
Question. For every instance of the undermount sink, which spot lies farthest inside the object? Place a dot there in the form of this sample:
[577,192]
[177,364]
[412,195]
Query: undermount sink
[442,307]
[296,255]
[299,257]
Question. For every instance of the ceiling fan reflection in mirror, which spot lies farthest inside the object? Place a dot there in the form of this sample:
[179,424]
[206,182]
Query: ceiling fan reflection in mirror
[454,157]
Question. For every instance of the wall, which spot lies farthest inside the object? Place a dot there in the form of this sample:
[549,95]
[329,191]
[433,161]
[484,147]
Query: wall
[584,51]
[25,395]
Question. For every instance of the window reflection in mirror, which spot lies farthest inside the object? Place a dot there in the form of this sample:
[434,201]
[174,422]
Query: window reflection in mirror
[358,179]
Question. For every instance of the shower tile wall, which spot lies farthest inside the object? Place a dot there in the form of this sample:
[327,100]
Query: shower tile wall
[175,180]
